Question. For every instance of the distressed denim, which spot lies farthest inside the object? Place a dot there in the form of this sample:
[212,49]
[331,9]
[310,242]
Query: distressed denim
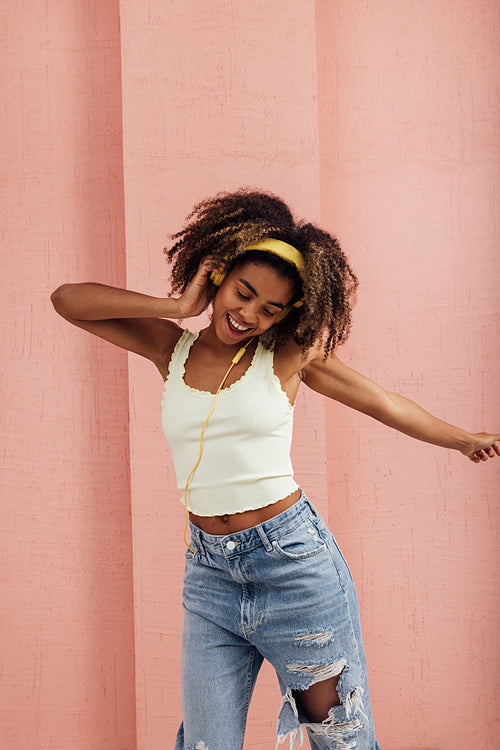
[279,591]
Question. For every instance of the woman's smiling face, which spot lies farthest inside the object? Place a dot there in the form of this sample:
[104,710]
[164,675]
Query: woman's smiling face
[249,300]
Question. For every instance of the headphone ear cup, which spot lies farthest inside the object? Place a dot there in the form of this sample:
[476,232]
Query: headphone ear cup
[282,314]
[217,277]
[287,309]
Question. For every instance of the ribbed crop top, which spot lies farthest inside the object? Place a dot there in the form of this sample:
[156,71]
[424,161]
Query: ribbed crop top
[245,462]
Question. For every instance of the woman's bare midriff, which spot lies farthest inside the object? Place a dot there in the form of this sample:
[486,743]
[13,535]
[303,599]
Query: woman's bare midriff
[233,522]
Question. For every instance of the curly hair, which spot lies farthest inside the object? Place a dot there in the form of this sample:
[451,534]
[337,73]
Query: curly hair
[225,225]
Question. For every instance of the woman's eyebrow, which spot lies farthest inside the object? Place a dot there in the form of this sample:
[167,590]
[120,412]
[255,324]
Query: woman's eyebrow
[251,289]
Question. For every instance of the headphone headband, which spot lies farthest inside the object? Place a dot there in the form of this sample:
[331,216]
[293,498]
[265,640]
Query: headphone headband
[280,248]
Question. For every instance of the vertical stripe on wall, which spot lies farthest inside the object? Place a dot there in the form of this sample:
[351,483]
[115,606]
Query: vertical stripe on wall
[66,612]
[409,175]
[216,95]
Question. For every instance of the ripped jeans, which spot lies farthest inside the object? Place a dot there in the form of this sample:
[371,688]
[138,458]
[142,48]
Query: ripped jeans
[279,591]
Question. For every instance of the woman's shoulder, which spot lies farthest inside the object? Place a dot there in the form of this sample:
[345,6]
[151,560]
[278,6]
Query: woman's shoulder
[290,359]
[170,334]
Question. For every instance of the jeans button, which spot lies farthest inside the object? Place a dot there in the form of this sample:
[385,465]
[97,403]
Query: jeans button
[230,545]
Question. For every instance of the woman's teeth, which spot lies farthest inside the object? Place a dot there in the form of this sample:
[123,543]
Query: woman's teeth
[236,325]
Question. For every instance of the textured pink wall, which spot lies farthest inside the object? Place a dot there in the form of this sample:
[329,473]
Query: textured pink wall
[409,171]
[229,100]
[66,644]
[377,118]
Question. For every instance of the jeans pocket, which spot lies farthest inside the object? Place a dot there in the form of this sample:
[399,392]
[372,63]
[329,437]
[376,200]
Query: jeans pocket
[300,543]
[337,555]
[341,555]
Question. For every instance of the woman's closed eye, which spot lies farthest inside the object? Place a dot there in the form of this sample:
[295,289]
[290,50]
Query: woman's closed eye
[266,311]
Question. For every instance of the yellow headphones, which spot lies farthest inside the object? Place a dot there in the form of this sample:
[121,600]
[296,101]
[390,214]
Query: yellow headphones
[277,247]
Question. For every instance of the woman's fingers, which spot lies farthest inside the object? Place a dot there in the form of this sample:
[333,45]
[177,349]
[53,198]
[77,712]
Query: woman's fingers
[488,448]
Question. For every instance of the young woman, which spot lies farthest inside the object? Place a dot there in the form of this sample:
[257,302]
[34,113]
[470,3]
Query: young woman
[264,577]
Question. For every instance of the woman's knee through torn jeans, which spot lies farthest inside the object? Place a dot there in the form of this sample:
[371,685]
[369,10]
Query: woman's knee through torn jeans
[279,591]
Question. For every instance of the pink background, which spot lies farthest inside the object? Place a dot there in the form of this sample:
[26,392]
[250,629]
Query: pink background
[377,119]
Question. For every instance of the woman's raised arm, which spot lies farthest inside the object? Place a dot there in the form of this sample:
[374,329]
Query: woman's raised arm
[127,319]
[132,320]
[90,302]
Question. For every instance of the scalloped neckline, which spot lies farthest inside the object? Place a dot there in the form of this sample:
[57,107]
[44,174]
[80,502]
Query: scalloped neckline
[198,391]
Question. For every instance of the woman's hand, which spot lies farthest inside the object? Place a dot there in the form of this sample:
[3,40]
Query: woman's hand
[199,292]
[482,446]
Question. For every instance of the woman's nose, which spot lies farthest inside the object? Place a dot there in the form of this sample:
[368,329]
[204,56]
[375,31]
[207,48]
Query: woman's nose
[249,314]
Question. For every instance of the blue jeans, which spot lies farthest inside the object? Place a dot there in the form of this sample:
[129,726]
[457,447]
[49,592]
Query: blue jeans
[279,591]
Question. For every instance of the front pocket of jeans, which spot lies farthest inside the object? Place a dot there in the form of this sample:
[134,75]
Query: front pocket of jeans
[301,543]
[337,555]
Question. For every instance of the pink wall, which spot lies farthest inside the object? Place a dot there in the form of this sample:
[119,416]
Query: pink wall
[66,612]
[375,118]
[409,176]
[210,114]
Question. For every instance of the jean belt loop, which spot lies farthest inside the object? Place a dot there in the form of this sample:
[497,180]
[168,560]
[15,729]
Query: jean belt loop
[200,542]
[313,510]
[264,538]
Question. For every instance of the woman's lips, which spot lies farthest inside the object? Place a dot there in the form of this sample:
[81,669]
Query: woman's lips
[234,327]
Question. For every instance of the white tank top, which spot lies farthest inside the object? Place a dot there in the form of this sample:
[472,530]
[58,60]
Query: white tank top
[245,462]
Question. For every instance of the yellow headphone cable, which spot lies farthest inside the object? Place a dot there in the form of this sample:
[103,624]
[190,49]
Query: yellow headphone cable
[239,354]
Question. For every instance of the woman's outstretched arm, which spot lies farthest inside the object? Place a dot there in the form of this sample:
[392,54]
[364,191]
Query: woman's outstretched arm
[337,381]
